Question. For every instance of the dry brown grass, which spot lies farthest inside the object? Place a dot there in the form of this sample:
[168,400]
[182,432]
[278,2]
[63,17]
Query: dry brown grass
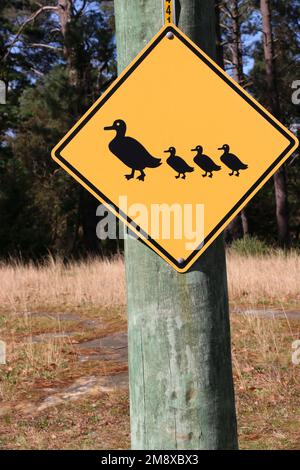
[264,280]
[96,283]
[270,279]
[266,381]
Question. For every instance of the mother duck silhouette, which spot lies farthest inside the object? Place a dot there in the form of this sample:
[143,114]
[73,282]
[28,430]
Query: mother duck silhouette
[130,151]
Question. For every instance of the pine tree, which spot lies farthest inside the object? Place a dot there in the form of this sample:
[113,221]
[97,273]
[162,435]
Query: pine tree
[62,55]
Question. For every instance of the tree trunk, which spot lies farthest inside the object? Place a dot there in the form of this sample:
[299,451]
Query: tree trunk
[219,46]
[237,57]
[238,75]
[234,230]
[245,223]
[65,15]
[181,388]
[79,81]
[239,225]
[89,220]
[273,104]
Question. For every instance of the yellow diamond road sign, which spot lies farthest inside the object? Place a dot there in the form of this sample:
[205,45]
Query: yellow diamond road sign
[175,148]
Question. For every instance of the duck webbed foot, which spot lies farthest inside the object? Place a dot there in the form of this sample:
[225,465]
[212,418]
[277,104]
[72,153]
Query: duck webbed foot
[183,176]
[237,173]
[210,175]
[129,177]
[142,176]
[178,176]
[205,174]
[232,173]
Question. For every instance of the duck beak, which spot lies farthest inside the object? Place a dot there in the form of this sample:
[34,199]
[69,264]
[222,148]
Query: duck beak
[221,148]
[194,150]
[167,151]
[109,128]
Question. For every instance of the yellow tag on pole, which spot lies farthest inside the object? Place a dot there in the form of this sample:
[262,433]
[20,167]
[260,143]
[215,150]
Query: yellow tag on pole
[169,12]
[175,171]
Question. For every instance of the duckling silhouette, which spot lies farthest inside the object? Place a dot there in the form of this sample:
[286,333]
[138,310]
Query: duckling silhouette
[232,161]
[205,162]
[130,151]
[177,163]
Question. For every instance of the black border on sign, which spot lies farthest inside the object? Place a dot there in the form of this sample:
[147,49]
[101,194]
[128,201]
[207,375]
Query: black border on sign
[111,92]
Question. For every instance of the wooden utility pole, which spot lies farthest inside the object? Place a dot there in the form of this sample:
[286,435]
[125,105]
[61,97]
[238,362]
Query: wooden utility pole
[181,387]
[280,185]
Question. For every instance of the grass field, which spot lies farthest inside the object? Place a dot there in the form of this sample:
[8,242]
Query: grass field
[37,300]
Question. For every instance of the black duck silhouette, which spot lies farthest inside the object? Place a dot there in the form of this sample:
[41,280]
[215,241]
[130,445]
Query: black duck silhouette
[232,161]
[130,151]
[205,162]
[177,163]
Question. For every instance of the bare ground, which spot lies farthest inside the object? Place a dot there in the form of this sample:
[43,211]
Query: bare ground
[64,385]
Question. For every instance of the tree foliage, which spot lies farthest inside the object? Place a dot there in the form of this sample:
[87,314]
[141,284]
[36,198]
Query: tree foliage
[56,58]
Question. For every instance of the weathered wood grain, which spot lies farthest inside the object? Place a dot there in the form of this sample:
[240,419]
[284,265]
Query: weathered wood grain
[181,390]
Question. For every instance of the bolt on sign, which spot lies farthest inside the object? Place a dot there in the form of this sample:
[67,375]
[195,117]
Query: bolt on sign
[175,171]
